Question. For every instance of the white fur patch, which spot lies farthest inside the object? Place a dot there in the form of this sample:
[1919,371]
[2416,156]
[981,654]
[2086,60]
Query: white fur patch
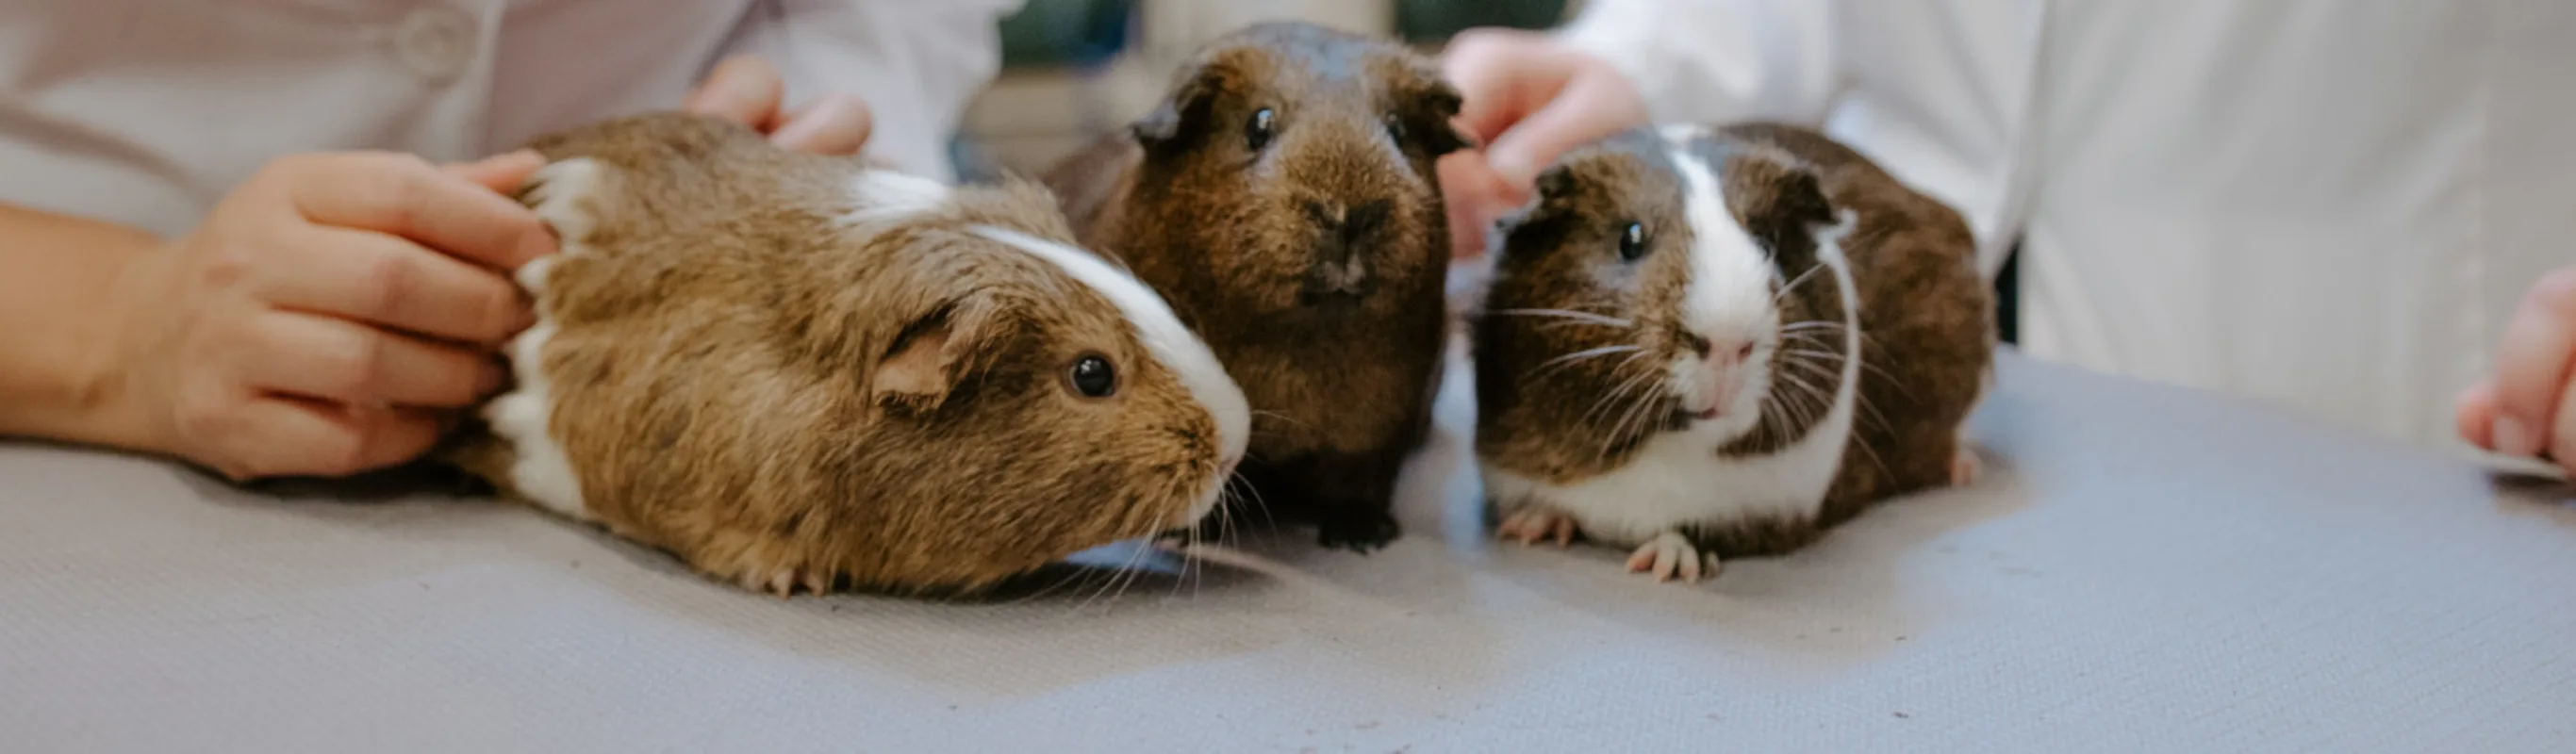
[523,417]
[1728,296]
[1677,477]
[1163,334]
[888,195]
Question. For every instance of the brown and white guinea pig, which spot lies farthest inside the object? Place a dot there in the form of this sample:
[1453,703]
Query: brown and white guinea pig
[795,371]
[1717,343]
[1282,196]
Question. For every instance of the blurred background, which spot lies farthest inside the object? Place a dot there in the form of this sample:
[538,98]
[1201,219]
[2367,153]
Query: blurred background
[1072,68]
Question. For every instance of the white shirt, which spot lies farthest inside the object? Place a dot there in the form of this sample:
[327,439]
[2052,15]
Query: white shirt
[146,112]
[2332,205]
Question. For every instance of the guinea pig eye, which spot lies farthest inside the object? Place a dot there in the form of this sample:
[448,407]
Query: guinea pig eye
[1395,128]
[1632,242]
[1257,133]
[1093,377]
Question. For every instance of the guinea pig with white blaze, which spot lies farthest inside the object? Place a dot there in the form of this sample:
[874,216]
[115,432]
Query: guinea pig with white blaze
[1709,343]
[795,371]
[1283,197]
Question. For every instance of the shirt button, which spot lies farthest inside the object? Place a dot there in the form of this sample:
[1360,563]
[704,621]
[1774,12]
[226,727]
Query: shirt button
[437,42]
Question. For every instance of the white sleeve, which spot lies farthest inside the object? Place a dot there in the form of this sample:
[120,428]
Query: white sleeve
[917,63]
[1719,60]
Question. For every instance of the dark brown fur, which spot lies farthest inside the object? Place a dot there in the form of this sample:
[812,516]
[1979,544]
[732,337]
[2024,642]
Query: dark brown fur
[786,403]
[1314,266]
[1925,313]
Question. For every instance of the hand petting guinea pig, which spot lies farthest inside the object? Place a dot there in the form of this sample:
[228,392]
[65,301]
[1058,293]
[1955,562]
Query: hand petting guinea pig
[1283,197]
[795,371]
[1710,343]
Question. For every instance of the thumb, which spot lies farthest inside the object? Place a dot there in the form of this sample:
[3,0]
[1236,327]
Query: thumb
[742,88]
[2473,414]
[502,173]
[1595,104]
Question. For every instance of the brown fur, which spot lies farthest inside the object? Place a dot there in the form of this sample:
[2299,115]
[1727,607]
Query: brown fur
[1314,266]
[1925,313]
[786,403]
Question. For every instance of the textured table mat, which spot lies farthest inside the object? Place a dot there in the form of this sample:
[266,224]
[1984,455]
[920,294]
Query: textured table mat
[2142,569]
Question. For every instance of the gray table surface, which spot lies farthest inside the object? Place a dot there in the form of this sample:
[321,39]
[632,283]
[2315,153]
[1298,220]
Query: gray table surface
[2143,569]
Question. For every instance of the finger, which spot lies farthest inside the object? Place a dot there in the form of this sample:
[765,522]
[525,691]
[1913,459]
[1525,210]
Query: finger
[337,360]
[835,125]
[2474,414]
[1497,74]
[383,280]
[1597,103]
[2532,365]
[407,197]
[1474,197]
[294,437]
[2561,448]
[502,173]
[743,88]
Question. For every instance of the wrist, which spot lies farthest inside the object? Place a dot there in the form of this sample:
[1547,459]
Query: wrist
[78,289]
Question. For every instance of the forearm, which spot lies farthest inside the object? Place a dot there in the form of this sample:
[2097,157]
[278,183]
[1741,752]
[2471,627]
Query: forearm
[57,277]
[1719,60]
[916,64]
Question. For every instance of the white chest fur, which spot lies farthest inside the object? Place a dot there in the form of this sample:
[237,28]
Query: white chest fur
[524,416]
[1677,478]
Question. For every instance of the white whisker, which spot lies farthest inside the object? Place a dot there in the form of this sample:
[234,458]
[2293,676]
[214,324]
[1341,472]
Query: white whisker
[1577,357]
[1792,285]
[1567,314]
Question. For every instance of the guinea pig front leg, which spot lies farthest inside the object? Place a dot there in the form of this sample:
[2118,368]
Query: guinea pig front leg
[1671,554]
[763,563]
[1534,523]
[1352,496]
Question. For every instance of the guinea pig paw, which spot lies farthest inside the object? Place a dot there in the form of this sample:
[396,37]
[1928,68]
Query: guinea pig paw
[1359,532]
[1671,555]
[1531,525]
[1964,468]
[784,581]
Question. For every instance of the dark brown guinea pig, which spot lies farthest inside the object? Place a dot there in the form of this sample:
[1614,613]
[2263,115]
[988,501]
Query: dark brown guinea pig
[1716,343]
[1283,198]
[797,372]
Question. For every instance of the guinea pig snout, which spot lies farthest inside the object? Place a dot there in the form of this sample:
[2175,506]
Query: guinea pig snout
[1714,373]
[1726,353]
[1346,240]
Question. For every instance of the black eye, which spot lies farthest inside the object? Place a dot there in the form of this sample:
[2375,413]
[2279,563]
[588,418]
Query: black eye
[1257,133]
[1395,128]
[1632,242]
[1093,377]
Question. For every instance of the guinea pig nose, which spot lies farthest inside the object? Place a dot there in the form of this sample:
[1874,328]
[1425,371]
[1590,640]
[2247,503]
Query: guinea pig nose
[1698,344]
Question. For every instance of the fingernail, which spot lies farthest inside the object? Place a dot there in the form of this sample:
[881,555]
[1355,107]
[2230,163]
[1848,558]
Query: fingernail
[2512,438]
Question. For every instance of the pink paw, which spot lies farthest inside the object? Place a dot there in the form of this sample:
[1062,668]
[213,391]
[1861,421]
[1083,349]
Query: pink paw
[1669,555]
[1533,524]
[1964,468]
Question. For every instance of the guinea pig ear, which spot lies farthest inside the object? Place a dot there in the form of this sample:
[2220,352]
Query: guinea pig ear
[1551,185]
[933,355]
[1186,104]
[1781,204]
[1437,108]
[1554,182]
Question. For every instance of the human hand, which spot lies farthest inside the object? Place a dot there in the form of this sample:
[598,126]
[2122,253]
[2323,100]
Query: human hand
[747,89]
[1529,99]
[2528,409]
[327,317]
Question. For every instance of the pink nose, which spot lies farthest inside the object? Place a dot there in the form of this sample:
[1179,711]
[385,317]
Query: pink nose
[1721,354]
